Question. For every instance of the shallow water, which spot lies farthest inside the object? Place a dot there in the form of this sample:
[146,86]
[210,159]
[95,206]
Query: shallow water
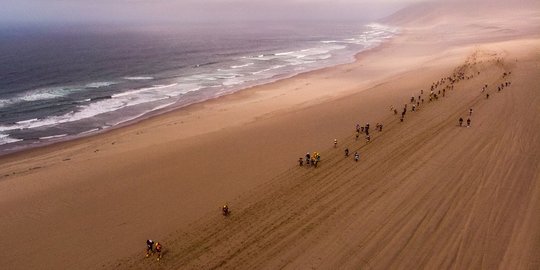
[58,84]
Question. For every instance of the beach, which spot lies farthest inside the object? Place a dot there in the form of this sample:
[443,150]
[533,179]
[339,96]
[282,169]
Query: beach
[425,193]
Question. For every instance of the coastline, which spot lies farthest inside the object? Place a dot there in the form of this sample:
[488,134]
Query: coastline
[54,145]
[380,35]
[165,177]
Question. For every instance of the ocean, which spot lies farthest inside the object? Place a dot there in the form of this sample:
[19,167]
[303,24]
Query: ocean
[60,83]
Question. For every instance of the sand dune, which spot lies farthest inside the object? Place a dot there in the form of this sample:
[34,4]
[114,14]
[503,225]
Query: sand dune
[426,193]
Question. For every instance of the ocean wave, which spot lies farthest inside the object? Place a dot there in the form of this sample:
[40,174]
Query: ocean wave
[47,93]
[268,69]
[233,81]
[138,78]
[89,131]
[53,137]
[40,94]
[137,91]
[141,114]
[102,106]
[23,122]
[241,66]
[5,139]
[284,53]
[99,84]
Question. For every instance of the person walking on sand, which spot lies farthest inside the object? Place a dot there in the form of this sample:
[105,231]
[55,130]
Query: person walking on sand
[301,162]
[225,210]
[335,143]
[368,138]
[346,152]
[357,135]
[470,112]
[460,121]
[158,250]
[308,158]
[468,122]
[149,247]
[356,156]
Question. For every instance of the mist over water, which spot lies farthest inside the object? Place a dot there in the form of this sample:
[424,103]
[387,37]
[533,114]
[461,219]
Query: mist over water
[58,83]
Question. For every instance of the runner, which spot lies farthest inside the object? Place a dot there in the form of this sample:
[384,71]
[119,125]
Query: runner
[346,152]
[149,247]
[460,121]
[356,156]
[301,161]
[158,250]
[468,122]
[335,143]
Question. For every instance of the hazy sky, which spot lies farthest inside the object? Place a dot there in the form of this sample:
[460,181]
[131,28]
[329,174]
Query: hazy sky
[147,11]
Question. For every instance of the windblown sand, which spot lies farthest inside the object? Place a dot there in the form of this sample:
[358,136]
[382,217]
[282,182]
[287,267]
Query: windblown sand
[425,194]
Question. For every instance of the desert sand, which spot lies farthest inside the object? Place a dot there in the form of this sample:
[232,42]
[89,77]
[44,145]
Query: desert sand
[425,194]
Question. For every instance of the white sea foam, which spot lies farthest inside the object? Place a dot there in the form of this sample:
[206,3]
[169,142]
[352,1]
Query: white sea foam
[40,94]
[242,66]
[139,78]
[233,81]
[113,104]
[89,131]
[53,137]
[268,69]
[27,121]
[137,91]
[47,93]
[284,53]
[99,84]
[5,139]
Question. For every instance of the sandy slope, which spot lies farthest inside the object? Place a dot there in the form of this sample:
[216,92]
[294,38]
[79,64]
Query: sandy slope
[426,193]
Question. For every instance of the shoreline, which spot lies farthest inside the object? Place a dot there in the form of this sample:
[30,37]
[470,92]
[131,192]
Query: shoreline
[56,144]
[172,109]
[37,142]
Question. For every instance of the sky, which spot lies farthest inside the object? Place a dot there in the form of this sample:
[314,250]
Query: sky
[157,11]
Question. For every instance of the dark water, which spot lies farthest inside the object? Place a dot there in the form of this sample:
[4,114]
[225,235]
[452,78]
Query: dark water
[63,82]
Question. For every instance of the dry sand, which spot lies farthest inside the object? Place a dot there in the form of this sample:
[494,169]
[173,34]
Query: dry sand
[425,193]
